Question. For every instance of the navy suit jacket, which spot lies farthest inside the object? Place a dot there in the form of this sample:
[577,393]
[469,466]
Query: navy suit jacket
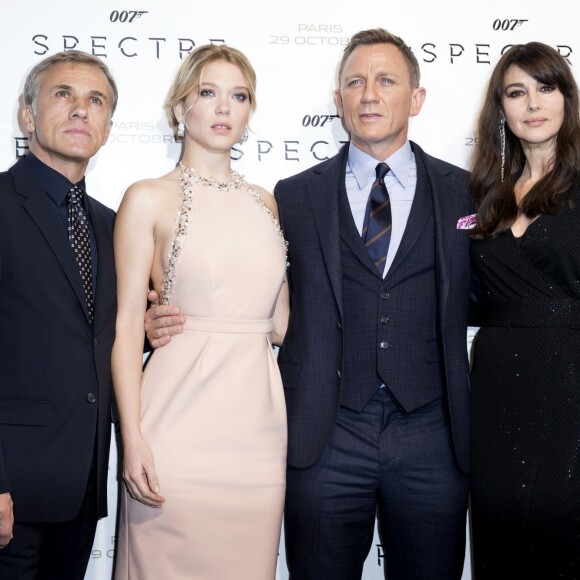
[55,370]
[310,358]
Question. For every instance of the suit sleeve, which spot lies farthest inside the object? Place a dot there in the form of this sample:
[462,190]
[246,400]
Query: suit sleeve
[4,484]
[476,312]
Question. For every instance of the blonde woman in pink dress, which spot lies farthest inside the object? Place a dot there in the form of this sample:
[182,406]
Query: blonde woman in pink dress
[204,426]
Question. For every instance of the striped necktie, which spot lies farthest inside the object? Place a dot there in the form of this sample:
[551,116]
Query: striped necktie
[376,233]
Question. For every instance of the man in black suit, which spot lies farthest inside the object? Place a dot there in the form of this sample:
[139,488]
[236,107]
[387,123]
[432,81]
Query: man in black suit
[57,316]
[374,362]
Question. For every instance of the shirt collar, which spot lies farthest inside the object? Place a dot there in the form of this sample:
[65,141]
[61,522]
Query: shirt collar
[363,166]
[55,184]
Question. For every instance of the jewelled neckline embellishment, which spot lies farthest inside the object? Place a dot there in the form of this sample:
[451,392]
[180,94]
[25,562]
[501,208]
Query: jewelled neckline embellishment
[236,180]
[187,178]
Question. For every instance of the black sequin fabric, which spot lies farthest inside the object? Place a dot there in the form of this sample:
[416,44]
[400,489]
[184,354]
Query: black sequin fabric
[525,388]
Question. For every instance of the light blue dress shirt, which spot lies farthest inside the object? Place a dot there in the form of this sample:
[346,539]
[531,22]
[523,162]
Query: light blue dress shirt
[401,182]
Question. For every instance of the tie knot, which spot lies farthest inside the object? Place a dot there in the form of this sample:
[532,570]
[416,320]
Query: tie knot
[382,169]
[75,195]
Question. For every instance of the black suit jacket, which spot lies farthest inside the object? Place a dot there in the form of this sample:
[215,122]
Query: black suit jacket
[55,371]
[310,358]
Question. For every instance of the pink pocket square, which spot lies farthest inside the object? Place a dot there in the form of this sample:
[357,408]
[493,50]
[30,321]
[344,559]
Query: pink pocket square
[467,222]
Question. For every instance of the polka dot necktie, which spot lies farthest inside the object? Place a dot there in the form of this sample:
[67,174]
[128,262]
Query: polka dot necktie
[78,235]
[376,233]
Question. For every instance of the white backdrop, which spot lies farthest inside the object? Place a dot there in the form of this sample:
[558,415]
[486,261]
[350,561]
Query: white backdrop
[295,47]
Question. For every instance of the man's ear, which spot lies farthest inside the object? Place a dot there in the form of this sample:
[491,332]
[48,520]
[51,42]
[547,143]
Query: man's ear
[28,119]
[338,102]
[417,101]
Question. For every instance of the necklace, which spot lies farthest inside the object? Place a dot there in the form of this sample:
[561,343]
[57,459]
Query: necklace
[191,175]
[187,178]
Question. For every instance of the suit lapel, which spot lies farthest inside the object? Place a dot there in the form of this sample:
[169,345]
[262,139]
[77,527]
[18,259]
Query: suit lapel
[349,233]
[323,196]
[420,211]
[445,213]
[43,214]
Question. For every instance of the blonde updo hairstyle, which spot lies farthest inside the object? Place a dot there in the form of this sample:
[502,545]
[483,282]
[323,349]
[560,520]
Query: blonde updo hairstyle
[189,75]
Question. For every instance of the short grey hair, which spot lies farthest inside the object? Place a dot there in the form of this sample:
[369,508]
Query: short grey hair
[32,83]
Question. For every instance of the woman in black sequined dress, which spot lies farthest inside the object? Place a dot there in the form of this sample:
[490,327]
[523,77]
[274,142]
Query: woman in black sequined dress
[525,382]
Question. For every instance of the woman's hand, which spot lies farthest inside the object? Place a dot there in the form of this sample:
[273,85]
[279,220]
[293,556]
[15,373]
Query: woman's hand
[139,474]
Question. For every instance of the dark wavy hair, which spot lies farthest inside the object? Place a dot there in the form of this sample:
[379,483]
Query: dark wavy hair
[495,201]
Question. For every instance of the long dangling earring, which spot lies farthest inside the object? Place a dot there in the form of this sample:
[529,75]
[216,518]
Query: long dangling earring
[502,145]
[181,126]
[244,137]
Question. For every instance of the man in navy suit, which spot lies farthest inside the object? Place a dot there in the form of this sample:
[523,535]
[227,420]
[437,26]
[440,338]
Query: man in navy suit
[57,329]
[374,362]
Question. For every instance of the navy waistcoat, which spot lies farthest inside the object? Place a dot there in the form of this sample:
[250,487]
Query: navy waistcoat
[390,325]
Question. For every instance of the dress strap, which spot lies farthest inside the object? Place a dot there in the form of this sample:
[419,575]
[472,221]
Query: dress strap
[168,285]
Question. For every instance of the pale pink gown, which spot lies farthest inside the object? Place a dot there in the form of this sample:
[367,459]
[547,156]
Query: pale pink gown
[213,408]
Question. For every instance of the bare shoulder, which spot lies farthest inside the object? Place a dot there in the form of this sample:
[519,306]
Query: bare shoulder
[151,193]
[267,198]
[154,187]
